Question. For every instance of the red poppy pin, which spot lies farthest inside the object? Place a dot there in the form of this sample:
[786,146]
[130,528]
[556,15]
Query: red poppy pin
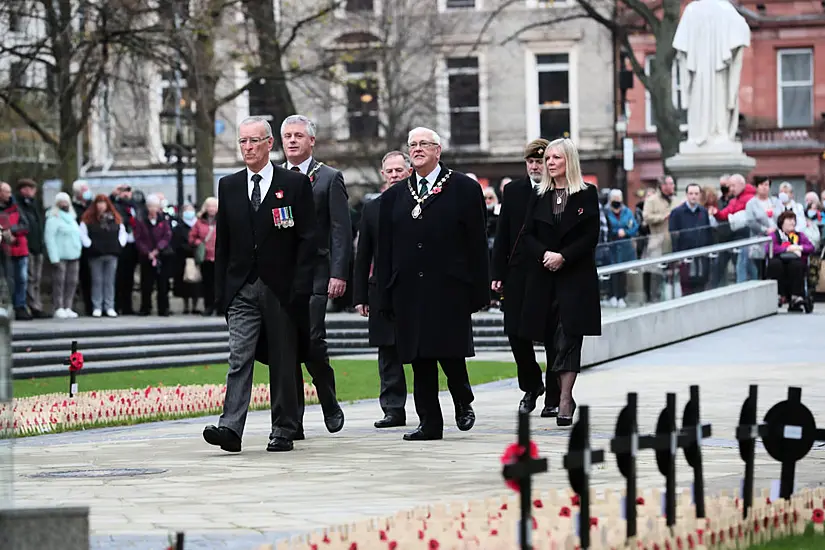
[279,194]
[581,211]
[436,191]
[312,178]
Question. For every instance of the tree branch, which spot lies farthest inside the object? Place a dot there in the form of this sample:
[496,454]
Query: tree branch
[489,21]
[308,20]
[33,124]
[638,6]
[545,23]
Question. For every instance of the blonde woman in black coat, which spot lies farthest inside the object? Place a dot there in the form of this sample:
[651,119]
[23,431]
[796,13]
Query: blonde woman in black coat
[559,303]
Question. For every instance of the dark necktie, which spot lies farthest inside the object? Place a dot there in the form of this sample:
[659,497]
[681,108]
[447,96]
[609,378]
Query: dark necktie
[256,191]
[423,187]
[295,169]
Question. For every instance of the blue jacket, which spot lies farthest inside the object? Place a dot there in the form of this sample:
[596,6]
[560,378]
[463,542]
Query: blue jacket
[62,236]
[621,248]
[690,229]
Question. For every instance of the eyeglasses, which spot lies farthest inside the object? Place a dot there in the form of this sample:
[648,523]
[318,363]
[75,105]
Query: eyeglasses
[422,144]
[252,141]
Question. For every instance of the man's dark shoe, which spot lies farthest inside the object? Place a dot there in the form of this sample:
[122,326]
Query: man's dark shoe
[528,402]
[335,421]
[22,314]
[422,435]
[465,417]
[391,421]
[38,314]
[279,445]
[222,437]
[550,412]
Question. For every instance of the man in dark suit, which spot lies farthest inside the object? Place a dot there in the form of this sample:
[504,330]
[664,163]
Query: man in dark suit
[433,275]
[265,255]
[395,167]
[334,255]
[509,274]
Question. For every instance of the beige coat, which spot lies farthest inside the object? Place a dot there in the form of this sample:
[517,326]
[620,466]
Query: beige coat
[656,215]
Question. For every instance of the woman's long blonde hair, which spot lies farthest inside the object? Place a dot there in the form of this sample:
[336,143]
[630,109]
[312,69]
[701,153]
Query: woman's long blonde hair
[206,202]
[572,167]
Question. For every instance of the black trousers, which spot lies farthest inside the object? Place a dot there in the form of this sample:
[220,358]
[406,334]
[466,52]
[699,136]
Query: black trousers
[425,389]
[529,371]
[618,285]
[85,282]
[151,277]
[208,274]
[323,377]
[393,396]
[789,275]
[125,279]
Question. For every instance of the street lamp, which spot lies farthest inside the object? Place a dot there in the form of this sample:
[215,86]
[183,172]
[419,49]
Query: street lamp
[178,138]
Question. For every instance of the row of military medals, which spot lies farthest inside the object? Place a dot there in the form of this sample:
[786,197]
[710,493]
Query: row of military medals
[282,217]
[434,190]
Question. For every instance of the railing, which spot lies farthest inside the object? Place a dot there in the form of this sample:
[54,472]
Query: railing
[24,146]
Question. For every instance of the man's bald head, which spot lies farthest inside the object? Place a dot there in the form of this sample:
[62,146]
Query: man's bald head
[737,184]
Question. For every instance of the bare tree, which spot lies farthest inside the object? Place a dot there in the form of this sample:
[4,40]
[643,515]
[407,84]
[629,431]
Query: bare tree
[625,18]
[60,53]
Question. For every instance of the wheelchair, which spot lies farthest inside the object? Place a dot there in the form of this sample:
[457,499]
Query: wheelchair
[813,264]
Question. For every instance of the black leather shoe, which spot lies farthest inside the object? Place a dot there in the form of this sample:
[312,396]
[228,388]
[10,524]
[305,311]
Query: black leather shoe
[335,421]
[465,417]
[566,420]
[222,437]
[528,402]
[279,445]
[421,435]
[549,412]
[390,421]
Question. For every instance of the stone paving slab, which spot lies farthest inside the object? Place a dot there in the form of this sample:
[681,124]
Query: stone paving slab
[239,501]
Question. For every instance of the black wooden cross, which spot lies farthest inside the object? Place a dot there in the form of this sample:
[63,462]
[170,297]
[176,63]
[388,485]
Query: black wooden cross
[746,434]
[693,432]
[665,442]
[625,445]
[179,541]
[72,374]
[522,472]
[578,461]
[789,432]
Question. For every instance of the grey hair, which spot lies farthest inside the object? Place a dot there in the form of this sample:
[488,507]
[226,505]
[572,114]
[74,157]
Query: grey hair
[152,200]
[77,186]
[435,137]
[299,119]
[258,120]
[616,193]
[405,156]
[786,186]
[724,177]
[738,177]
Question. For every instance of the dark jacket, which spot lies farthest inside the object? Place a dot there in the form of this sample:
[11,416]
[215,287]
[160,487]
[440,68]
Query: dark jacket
[689,229]
[248,242]
[433,271]
[576,284]
[514,202]
[148,237]
[36,221]
[365,284]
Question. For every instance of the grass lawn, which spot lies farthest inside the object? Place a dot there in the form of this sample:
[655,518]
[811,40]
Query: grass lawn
[355,379]
[808,541]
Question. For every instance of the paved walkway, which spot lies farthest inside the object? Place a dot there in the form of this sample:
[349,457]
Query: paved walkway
[239,501]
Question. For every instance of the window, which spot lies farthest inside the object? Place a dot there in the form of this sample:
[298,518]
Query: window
[676,89]
[169,95]
[17,75]
[15,22]
[795,86]
[458,4]
[360,5]
[554,95]
[544,3]
[260,99]
[362,99]
[465,109]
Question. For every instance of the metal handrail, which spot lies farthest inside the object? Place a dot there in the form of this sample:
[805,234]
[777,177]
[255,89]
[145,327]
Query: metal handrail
[662,261]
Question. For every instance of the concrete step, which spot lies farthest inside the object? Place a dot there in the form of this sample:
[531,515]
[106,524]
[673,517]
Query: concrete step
[100,342]
[91,356]
[124,364]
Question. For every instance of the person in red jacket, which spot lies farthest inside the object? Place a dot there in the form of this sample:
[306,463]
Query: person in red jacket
[734,214]
[15,246]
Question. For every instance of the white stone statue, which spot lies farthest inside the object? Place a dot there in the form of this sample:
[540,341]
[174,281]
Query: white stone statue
[709,45]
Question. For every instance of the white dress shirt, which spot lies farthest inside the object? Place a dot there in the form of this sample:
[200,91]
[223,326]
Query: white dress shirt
[432,177]
[266,181]
[304,166]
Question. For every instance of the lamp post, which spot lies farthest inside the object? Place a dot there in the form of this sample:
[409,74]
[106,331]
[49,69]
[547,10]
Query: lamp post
[625,83]
[178,143]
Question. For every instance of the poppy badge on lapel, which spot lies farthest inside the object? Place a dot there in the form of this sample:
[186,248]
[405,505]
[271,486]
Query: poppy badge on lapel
[279,194]
[581,211]
[436,191]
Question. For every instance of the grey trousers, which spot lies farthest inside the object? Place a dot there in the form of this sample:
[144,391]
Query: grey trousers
[393,394]
[323,377]
[254,307]
[33,286]
[103,270]
[64,283]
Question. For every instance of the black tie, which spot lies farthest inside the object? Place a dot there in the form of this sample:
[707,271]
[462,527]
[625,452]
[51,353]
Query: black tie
[256,191]
[423,189]
[295,169]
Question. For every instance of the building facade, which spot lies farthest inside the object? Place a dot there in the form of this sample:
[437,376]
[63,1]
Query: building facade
[781,98]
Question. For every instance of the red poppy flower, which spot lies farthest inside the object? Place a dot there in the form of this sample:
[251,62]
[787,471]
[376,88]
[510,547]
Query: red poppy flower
[382,535]
[433,545]
[594,522]
[575,501]
[564,512]
[538,503]
[535,523]
[353,546]
[700,533]
[775,522]
[504,506]
[768,500]
[494,532]
[818,516]
[393,545]
[691,544]
[279,194]
[326,540]
[75,361]
[511,455]
[436,190]
[795,516]
[420,534]
[640,501]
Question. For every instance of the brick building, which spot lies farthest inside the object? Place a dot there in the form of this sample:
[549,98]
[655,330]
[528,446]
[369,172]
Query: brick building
[781,97]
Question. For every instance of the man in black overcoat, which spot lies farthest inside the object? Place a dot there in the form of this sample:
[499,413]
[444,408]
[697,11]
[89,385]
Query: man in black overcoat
[265,255]
[433,275]
[509,274]
[332,268]
[395,167]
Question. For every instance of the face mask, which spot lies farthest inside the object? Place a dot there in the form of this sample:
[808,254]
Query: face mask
[189,215]
[615,204]
[724,189]
[784,198]
[87,195]
[812,213]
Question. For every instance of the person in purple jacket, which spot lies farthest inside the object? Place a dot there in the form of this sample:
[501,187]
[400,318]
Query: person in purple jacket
[787,264]
[153,234]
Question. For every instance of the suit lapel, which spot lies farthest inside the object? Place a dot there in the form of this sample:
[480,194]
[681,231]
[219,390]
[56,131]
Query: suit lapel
[432,197]
[263,217]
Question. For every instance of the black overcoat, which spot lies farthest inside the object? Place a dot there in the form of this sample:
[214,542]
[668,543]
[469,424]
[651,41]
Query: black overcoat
[365,284]
[286,258]
[433,271]
[576,284]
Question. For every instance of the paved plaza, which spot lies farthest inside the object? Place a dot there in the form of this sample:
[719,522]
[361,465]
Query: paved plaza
[240,501]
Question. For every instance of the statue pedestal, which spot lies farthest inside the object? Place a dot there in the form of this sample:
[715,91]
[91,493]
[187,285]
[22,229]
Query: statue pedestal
[707,163]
